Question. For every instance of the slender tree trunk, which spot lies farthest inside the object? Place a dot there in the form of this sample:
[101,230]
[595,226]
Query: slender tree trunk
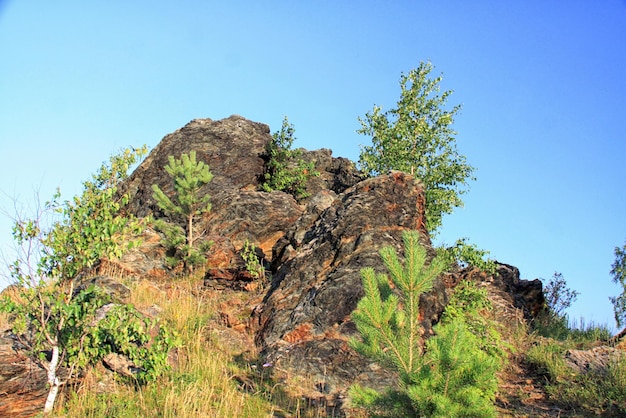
[53,381]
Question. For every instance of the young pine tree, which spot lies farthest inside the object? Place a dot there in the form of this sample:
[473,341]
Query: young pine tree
[388,320]
[189,176]
[454,377]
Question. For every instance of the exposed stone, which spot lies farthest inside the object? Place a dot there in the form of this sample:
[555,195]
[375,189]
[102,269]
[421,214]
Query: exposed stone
[232,148]
[257,217]
[594,360]
[304,321]
[120,364]
[336,174]
[313,249]
[22,381]
[514,294]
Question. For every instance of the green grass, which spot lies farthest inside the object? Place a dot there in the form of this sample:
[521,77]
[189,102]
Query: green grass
[594,392]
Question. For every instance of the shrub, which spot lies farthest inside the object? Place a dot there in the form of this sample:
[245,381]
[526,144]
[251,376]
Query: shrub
[467,254]
[254,266]
[285,169]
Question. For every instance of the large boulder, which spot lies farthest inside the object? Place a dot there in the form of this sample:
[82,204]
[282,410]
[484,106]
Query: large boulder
[232,147]
[235,150]
[304,322]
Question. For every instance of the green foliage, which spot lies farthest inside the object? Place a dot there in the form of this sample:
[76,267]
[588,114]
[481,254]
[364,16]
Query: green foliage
[58,325]
[618,271]
[552,321]
[558,296]
[417,137]
[175,240]
[126,331]
[48,315]
[389,320]
[472,305]
[92,226]
[254,266]
[189,176]
[285,169]
[466,254]
[455,376]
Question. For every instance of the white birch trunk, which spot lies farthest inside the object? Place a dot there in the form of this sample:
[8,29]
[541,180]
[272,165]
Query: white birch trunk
[53,381]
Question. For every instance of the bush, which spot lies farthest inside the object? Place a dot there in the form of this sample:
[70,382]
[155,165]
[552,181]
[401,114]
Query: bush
[285,169]
[465,254]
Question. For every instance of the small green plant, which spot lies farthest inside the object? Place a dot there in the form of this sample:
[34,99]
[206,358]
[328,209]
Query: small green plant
[456,378]
[285,169]
[471,304]
[126,331]
[389,321]
[467,254]
[254,266]
[189,176]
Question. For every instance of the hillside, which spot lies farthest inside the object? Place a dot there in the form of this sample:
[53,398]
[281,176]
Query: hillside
[273,324]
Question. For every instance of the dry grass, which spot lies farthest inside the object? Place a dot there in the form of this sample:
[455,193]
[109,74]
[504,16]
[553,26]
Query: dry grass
[200,384]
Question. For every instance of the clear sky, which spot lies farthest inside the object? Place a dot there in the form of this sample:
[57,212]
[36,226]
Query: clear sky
[542,84]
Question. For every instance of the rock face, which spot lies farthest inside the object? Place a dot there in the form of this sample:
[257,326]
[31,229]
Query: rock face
[22,381]
[324,270]
[304,322]
[234,149]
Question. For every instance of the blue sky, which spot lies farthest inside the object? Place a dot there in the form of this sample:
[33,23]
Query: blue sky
[542,84]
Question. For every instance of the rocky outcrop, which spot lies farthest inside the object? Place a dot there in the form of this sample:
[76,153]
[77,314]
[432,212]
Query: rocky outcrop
[304,322]
[234,149]
[22,381]
[520,296]
[594,360]
[313,249]
[324,271]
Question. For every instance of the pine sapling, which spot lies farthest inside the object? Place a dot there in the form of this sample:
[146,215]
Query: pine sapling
[189,177]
